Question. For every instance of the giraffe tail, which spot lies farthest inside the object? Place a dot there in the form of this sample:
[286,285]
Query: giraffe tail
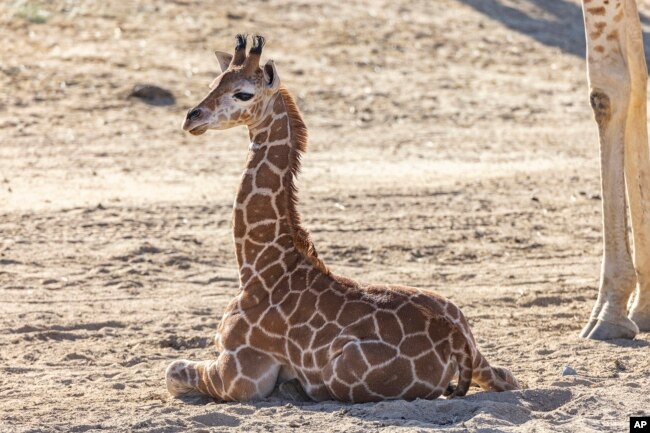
[491,378]
[474,368]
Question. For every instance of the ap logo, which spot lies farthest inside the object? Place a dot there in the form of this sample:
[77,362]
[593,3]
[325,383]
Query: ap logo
[639,424]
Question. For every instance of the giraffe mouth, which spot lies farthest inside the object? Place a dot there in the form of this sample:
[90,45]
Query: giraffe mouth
[198,130]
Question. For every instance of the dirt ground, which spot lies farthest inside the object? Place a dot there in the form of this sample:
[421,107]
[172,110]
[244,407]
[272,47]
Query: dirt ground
[452,148]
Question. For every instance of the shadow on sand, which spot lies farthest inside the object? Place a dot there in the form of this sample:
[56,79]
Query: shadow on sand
[510,408]
[555,23]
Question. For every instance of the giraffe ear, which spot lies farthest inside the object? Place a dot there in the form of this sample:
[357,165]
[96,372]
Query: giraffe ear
[271,75]
[224,60]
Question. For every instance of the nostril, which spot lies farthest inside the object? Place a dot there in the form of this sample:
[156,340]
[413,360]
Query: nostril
[194,114]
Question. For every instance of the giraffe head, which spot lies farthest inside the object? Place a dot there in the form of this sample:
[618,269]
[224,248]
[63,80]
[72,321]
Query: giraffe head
[240,95]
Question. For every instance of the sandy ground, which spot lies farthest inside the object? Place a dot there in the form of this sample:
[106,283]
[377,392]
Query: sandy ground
[452,148]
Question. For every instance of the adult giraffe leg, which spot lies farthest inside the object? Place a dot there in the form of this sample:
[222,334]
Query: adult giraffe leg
[637,165]
[610,85]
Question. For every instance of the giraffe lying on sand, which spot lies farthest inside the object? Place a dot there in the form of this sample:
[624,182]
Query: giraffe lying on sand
[294,319]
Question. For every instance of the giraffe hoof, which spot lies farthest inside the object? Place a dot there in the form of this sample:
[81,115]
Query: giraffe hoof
[642,320]
[450,389]
[176,378]
[293,390]
[610,331]
[588,327]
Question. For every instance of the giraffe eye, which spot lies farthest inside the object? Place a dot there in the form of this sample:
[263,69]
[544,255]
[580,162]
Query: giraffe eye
[243,96]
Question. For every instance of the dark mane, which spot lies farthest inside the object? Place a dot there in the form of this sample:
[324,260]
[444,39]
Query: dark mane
[298,131]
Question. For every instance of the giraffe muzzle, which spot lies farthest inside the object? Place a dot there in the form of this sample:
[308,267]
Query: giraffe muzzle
[193,122]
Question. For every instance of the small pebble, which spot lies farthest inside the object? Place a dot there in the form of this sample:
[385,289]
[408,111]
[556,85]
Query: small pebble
[568,371]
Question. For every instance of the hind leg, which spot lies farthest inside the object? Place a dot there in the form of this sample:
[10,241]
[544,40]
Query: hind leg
[371,370]
[637,164]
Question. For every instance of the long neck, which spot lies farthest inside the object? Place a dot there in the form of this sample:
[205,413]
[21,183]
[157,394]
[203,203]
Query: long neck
[266,225]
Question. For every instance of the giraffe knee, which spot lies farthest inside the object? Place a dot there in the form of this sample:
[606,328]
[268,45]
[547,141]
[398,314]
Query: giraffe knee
[601,105]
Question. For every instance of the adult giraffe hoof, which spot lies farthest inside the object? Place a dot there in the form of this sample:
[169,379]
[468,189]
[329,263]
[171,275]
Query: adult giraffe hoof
[642,320]
[588,327]
[602,330]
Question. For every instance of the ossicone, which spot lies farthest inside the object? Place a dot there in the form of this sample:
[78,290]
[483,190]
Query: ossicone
[240,49]
[252,63]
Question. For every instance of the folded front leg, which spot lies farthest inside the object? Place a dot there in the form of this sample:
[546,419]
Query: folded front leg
[242,375]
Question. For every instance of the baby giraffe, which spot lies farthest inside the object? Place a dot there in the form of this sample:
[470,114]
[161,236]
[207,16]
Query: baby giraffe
[293,318]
